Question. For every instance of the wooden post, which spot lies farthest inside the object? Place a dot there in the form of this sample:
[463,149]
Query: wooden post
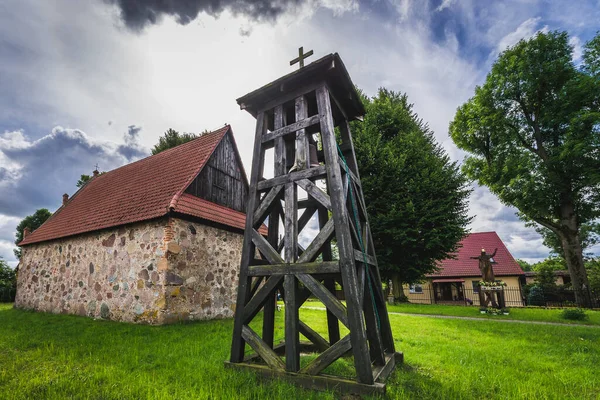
[243,296]
[362,361]
[292,335]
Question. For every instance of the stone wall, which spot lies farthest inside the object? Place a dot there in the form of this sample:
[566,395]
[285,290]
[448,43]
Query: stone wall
[150,272]
[203,273]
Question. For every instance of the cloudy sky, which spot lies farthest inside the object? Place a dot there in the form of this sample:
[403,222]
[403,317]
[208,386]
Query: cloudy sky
[99,81]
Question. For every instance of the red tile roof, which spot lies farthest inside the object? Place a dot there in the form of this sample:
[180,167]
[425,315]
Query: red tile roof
[140,191]
[471,246]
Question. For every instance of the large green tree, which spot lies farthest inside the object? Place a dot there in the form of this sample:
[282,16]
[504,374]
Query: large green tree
[532,131]
[32,222]
[171,138]
[416,197]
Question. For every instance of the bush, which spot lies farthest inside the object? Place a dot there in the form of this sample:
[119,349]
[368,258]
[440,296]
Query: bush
[8,282]
[536,296]
[574,314]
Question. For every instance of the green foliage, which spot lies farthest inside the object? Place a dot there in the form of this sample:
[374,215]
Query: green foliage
[415,196]
[33,222]
[525,266]
[533,134]
[551,263]
[589,234]
[8,282]
[574,314]
[535,297]
[593,270]
[83,180]
[545,277]
[170,139]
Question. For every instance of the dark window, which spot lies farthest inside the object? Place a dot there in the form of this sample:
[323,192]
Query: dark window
[475,286]
[416,288]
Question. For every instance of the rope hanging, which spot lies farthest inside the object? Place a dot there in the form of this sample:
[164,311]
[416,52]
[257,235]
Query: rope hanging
[360,239]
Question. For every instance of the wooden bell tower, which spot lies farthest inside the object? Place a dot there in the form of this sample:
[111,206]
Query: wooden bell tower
[295,114]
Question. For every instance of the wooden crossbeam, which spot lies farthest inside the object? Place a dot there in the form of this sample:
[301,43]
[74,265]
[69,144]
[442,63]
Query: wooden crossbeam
[358,256]
[267,204]
[328,357]
[255,285]
[321,292]
[261,296]
[265,248]
[352,176]
[327,267]
[291,128]
[313,336]
[261,348]
[315,192]
[316,246]
[310,173]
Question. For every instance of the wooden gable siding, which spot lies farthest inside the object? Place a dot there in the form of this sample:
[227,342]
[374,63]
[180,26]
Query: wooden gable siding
[222,181]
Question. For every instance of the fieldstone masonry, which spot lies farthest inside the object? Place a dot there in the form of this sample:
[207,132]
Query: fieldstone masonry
[152,272]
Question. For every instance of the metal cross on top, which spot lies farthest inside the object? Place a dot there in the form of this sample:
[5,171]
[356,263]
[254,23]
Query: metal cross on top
[301,57]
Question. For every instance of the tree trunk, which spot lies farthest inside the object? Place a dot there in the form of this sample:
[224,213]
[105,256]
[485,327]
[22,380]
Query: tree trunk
[571,244]
[574,259]
[397,285]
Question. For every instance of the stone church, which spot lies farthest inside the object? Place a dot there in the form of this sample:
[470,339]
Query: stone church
[155,241]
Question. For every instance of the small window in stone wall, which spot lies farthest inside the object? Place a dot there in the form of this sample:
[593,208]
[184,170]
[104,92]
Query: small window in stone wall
[415,288]
[475,286]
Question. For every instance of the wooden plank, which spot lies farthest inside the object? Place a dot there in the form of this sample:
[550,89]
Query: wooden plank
[266,205]
[301,161]
[358,256]
[258,300]
[313,336]
[328,299]
[311,173]
[362,361]
[265,248]
[292,338]
[288,96]
[306,203]
[315,192]
[381,373]
[292,333]
[280,150]
[347,142]
[326,358]
[314,382]
[248,249]
[327,267]
[264,351]
[333,326]
[292,128]
[315,247]
[352,176]
[373,323]
[290,224]
[255,285]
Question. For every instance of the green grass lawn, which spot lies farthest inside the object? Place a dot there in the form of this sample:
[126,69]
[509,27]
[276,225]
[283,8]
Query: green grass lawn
[523,314]
[60,356]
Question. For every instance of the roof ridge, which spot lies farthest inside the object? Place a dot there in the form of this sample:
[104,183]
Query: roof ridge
[175,199]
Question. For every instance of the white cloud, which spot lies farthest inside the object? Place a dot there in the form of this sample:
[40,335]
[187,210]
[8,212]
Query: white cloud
[527,29]
[445,4]
[70,65]
[577,48]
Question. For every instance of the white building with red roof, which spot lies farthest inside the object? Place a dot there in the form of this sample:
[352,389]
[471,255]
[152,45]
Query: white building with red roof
[457,280]
[155,241]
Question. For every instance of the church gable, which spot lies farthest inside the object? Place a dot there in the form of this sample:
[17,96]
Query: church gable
[222,180]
